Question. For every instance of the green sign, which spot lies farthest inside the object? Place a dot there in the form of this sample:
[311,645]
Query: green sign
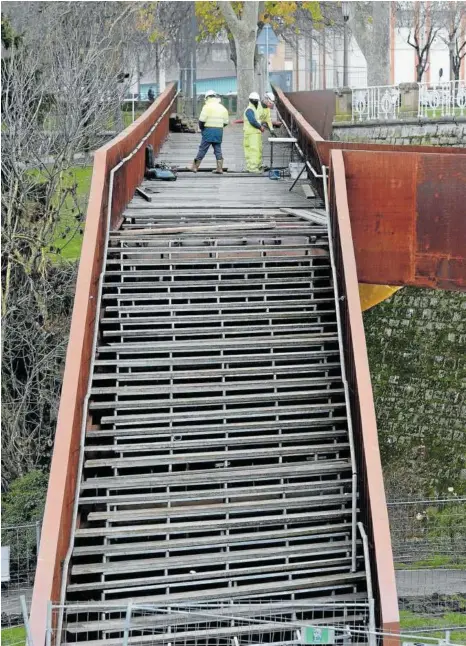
[315,635]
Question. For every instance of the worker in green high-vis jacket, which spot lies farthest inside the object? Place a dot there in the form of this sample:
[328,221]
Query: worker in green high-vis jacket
[266,105]
[253,134]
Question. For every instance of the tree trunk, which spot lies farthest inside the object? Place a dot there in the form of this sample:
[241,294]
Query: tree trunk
[373,38]
[419,72]
[379,70]
[245,70]
[244,31]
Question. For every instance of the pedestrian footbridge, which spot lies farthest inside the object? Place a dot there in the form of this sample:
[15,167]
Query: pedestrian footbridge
[216,476]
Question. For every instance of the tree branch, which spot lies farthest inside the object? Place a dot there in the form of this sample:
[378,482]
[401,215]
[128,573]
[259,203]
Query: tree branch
[230,16]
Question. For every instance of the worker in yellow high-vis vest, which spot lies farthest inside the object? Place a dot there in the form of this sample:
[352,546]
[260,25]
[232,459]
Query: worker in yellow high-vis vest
[265,114]
[212,121]
[253,134]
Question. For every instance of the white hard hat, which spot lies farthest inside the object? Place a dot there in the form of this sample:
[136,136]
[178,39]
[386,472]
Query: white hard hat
[254,96]
[210,93]
[270,96]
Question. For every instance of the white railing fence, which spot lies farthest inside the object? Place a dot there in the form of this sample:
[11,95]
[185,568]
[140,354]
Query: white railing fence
[442,99]
[375,103]
[422,100]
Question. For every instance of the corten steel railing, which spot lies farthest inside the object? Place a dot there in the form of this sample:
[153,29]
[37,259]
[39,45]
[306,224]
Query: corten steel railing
[59,515]
[308,138]
[318,149]
[373,507]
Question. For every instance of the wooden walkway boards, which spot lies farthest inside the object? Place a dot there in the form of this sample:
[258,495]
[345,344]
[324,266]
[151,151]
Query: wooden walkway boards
[234,189]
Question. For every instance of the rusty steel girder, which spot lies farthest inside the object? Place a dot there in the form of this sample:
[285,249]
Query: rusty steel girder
[408,217]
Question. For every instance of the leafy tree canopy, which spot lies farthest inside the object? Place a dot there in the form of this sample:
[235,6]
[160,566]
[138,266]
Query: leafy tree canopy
[283,17]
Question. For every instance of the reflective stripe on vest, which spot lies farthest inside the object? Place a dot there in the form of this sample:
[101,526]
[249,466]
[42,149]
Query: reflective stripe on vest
[248,129]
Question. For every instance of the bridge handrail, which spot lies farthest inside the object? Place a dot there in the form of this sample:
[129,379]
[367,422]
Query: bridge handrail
[59,511]
[371,488]
[308,138]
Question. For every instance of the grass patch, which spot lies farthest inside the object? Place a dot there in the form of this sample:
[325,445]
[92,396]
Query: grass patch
[68,237]
[436,113]
[15,635]
[410,622]
[128,117]
[70,242]
[435,561]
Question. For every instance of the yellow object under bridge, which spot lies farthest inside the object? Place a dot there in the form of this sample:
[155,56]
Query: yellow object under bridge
[371,295]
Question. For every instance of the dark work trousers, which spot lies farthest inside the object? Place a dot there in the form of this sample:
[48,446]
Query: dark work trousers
[204,147]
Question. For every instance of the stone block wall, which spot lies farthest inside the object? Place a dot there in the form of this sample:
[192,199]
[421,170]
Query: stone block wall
[438,133]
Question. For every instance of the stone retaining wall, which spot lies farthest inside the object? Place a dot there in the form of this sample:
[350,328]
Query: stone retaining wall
[416,342]
[438,133]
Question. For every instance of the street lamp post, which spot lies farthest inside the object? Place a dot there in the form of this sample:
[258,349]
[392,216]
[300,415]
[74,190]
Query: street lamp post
[345,11]
[267,79]
[194,61]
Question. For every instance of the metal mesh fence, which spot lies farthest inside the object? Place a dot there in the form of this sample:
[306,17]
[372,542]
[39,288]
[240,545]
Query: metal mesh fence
[228,625]
[241,624]
[429,549]
[15,626]
[429,532]
[20,546]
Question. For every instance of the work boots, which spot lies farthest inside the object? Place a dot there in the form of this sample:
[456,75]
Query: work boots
[195,165]
[219,169]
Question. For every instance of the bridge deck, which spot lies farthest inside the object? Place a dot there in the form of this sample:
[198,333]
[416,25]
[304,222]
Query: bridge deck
[217,466]
[235,189]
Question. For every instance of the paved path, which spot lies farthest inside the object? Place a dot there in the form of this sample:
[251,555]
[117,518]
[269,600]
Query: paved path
[423,583]
[10,600]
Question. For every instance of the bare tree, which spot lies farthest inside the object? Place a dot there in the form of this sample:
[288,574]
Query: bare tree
[422,21]
[170,28]
[60,85]
[453,34]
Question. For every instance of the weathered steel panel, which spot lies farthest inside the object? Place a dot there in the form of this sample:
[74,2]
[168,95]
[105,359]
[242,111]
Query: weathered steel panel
[441,207]
[381,196]
[325,147]
[317,107]
[407,217]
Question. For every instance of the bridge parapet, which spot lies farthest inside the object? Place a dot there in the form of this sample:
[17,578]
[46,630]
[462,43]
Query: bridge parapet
[71,424]
[370,478]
